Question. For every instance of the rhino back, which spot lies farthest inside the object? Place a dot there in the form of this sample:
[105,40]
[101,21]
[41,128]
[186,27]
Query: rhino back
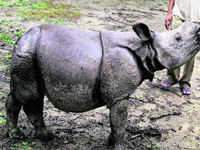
[70,61]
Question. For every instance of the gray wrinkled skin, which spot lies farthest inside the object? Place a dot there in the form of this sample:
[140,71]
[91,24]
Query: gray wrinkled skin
[176,47]
[79,71]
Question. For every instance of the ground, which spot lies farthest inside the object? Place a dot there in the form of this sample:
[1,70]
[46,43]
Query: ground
[158,119]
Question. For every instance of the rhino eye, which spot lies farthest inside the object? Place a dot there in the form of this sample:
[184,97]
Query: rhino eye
[178,37]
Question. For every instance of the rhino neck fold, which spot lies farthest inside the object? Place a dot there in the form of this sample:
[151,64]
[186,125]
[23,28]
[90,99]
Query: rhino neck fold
[158,65]
[147,70]
[143,53]
[146,57]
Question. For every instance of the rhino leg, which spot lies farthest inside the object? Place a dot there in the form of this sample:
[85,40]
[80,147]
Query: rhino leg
[34,112]
[118,117]
[13,108]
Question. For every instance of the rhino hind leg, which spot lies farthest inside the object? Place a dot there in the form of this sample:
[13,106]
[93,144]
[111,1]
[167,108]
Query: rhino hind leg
[118,117]
[34,112]
[28,89]
[26,86]
[13,108]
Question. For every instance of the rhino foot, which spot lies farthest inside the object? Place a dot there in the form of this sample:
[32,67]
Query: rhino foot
[118,116]
[111,139]
[117,145]
[44,135]
[16,133]
[13,133]
[120,147]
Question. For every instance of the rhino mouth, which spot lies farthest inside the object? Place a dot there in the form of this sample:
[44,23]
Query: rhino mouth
[187,51]
[195,44]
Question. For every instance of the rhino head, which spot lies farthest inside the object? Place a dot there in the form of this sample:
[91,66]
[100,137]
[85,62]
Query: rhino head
[172,48]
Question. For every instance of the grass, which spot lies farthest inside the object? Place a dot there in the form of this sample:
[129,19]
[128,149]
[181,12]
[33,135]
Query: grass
[5,61]
[45,11]
[24,145]
[10,37]
[7,38]
[66,142]
[2,117]
[6,57]
[6,23]
[1,97]
[15,3]
[5,3]
[154,146]
[41,10]
[164,1]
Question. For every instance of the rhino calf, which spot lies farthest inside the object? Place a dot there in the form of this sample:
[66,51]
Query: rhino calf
[79,71]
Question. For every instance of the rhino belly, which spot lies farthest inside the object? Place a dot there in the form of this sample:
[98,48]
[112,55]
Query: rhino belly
[70,66]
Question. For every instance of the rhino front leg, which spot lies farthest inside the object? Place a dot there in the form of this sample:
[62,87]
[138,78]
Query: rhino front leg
[13,108]
[118,117]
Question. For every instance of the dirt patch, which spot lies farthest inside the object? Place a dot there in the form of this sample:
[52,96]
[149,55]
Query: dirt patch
[158,119]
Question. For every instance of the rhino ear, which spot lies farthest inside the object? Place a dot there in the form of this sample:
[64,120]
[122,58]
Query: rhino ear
[142,31]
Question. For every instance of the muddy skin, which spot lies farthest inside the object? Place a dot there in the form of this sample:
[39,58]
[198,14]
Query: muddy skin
[13,109]
[79,75]
[118,118]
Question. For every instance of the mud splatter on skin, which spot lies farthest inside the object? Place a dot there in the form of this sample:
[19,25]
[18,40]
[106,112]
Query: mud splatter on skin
[90,130]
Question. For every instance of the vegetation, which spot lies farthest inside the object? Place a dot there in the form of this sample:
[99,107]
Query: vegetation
[43,9]
[24,145]
[48,9]
[6,22]
[2,117]
[10,37]
[163,1]
[154,146]
[5,60]
[66,142]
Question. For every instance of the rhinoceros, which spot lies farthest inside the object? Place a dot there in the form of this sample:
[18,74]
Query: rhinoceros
[80,71]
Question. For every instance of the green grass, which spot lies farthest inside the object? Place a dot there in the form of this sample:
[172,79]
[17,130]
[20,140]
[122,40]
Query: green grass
[48,9]
[6,57]
[16,3]
[5,62]
[6,23]
[1,96]
[162,1]
[55,21]
[2,120]
[9,37]
[2,3]
[154,146]
[24,145]
[43,10]
[66,142]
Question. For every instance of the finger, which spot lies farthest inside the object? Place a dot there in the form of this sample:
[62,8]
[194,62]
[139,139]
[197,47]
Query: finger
[166,26]
[169,24]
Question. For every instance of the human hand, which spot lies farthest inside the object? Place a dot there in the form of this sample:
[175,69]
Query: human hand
[168,21]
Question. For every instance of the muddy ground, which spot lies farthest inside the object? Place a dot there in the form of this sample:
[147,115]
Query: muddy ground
[158,119]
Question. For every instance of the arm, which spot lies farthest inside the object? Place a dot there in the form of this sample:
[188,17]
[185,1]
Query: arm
[168,20]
